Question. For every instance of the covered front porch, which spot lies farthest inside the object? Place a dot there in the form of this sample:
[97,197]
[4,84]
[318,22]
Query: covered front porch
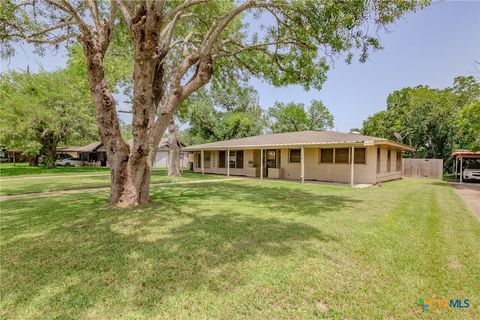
[328,163]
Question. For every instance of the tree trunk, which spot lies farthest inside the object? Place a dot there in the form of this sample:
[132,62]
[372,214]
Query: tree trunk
[33,161]
[50,153]
[173,150]
[123,190]
[151,108]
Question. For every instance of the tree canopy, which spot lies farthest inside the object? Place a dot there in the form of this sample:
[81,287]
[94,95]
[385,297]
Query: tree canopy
[217,114]
[289,117]
[434,121]
[41,110]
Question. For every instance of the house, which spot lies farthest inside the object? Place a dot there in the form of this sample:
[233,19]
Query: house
[92,154]
[96,154]
[305,155]
[161,158]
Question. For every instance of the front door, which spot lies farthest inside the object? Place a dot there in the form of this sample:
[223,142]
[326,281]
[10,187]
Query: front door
[271,158]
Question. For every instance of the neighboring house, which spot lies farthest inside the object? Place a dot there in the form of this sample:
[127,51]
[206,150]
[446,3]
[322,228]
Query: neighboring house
[161,159]
[95,153]
[304,155]
[92,154]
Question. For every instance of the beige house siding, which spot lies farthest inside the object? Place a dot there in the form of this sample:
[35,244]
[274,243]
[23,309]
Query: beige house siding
[214,163]
[384,175]
[314,170]
[334,172]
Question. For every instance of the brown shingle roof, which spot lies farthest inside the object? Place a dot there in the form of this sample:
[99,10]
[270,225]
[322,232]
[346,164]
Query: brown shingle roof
[296,139]
[99,147]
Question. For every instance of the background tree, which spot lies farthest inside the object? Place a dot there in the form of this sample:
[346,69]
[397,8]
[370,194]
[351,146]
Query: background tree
[216,114]
[290,117]
[39,111]
[434,121]
[468,126]
[179,46]
[174,149]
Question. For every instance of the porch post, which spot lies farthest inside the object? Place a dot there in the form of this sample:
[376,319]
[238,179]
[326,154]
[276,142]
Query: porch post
[261,164]
[352,167]
[461,169]
[302,160]
[227,158]
[202,160]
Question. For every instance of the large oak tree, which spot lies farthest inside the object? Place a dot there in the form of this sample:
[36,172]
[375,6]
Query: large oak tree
[179,46]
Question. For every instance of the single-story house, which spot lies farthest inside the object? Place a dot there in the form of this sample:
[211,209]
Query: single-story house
[95,154]
[305,155]
[92,154]
[162,159]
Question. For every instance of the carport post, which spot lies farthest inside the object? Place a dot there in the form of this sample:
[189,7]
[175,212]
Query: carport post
[261,164]
[455,167]
[352,166]
[461,169]
[302,160]
[228,161]
[202,160]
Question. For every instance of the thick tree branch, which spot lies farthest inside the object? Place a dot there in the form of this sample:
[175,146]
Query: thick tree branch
[52,28]
[93,6]
[53,41]
[68,8]
[126,13]
[180,8]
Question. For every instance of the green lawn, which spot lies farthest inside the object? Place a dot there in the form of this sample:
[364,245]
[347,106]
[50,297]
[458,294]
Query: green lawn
[13,185]
[8,169]
[242,249]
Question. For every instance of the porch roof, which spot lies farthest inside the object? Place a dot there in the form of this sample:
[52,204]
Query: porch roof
[297,139]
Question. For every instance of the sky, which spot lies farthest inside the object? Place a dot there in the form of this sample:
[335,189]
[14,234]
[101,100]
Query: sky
[428,47]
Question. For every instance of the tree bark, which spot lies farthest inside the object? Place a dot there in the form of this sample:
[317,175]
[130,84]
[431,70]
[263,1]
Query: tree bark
[33,161]
[151,107]
[122,191]
[173,151]
[50,151]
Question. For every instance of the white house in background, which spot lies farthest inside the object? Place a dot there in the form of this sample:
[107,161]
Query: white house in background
[304,155]
[161,159]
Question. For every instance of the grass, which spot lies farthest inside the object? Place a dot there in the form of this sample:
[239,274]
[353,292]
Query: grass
[242,249]
[14,185]
[8,169]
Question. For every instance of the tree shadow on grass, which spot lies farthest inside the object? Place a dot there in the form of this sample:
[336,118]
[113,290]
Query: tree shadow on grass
[277,198]
[70,255]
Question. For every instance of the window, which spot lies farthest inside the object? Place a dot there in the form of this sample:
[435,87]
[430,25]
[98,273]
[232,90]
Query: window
[399,160]
[236,159]
[389,160]
[239,160]
[232,159]
[270,154]
[341,155]
[221,159]
[199,160]
[378,160]
[359,155]
[206,159]
[326,155]
[295,155]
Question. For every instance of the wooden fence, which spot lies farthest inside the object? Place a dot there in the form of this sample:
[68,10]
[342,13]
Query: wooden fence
[422,168]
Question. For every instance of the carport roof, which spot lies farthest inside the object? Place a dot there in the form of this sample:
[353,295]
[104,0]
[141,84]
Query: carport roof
[297,139]
[466,154]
